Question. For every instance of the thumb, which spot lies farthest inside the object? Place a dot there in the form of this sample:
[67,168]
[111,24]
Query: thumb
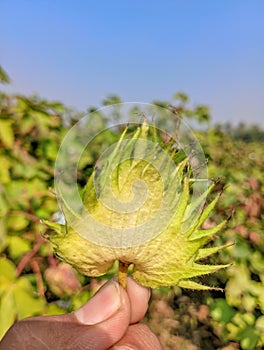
[107,316]
[97,325]
[104,304]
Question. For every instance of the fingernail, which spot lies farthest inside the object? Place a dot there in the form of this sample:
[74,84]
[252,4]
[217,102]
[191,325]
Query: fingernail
[103,305]
[122,347]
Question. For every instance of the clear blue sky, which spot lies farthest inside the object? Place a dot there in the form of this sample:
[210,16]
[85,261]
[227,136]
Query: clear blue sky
[78,51]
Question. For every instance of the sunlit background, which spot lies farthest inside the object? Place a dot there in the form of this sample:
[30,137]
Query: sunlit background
[80,51]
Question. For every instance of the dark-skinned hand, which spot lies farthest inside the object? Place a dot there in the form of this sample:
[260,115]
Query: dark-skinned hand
[109,320]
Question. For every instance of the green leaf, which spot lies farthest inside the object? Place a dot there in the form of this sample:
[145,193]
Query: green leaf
[7,269]
[4,78]
[18,246]
[26,304]
[221,311]
[25,170]
[6,132]
[7,312]
[53,309]
[80,299]
[17,222]
[4,206]
[241,250]
[26,191]
[50,149]
[3,234]
[260,323]
[4,170]
[249,302]
[257,261]
[250,339]
[24,283]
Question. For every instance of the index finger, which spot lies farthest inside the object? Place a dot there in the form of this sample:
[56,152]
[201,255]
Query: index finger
[139,298]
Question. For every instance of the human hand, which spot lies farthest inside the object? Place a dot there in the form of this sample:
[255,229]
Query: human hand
[107,321]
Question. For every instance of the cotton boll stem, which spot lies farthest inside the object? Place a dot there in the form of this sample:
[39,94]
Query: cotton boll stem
[122,273]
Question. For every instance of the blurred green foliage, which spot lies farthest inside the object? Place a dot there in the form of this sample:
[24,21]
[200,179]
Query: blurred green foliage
[34,282]
[239,316]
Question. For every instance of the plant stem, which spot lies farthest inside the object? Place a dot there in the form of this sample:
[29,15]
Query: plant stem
[27,258]
[122,273]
